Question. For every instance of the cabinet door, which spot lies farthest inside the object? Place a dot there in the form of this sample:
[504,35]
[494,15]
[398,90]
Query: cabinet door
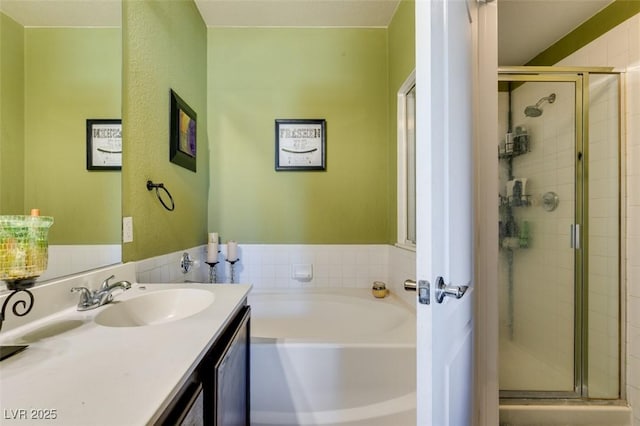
[194,416]
[187,408]
[231,377]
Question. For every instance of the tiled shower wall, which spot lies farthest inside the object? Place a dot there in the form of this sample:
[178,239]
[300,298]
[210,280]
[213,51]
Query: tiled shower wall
[273,265]
[620,48]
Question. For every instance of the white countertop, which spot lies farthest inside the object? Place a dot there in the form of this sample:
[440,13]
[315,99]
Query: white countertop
[87,374]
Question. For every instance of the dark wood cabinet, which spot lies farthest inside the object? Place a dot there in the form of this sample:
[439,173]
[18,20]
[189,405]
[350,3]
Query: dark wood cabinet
[217,392]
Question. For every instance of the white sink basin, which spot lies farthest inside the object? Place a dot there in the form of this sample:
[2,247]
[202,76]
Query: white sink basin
[155,308]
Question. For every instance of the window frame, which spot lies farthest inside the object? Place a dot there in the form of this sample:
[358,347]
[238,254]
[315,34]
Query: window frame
[402,163]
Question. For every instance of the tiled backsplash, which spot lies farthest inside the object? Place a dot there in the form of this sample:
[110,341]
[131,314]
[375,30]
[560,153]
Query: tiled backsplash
[69,259]
[262,265]
[166,268]
[330,265]
[273,265]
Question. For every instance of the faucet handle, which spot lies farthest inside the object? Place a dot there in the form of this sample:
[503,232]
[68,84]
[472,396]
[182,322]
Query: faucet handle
[105,283]
[85,295]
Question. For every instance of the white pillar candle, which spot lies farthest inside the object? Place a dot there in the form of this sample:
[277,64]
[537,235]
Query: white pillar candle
[212,247]
[232,251]
[212,252]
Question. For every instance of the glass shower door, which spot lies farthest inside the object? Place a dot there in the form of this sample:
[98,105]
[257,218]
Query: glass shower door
[540,170]
[603,216]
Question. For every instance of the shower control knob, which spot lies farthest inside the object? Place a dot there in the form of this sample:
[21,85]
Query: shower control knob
[443,290]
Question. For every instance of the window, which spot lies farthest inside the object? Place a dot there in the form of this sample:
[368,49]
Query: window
[407,163]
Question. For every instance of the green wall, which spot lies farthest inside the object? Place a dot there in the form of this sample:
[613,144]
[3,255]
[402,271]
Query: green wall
[52,80]
[71,74]
[347,76]
[257,75]
[11,116]
[402,60]
[164,48]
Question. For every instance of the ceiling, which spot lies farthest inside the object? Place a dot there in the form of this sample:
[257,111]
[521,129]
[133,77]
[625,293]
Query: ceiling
[64,13]
[297,13]
[525,27]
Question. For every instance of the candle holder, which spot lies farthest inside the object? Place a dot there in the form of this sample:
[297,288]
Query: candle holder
[232,263]
[212,271]
[20,307]
[23,259]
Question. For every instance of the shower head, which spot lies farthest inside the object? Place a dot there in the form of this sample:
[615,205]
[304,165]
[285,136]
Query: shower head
[534,110]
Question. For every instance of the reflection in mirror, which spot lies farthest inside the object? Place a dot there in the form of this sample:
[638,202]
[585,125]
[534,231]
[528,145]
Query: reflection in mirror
[60,65]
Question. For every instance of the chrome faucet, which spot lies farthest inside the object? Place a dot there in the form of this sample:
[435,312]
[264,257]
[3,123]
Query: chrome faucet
[93,299]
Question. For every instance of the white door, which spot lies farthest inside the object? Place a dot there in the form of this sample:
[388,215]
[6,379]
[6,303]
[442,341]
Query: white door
[444,76]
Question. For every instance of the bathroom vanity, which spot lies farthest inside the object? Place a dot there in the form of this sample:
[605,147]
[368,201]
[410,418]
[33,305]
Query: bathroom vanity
[149,357]
[217,392]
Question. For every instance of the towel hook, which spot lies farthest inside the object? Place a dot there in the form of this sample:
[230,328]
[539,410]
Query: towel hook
[151,185]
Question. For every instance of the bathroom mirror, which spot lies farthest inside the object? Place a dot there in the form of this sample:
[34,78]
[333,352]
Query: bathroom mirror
[61,66]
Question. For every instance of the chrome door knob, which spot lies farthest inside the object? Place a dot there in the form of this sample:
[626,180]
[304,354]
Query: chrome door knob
[443,290]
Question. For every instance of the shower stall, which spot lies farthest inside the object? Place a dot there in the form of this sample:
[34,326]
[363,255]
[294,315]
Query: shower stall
[559,233]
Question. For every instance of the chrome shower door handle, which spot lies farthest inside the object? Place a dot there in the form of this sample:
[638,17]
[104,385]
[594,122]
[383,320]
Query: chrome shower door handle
[443,290]
[575,236]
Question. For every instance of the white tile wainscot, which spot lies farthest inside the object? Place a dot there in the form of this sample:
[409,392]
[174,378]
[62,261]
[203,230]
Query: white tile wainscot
[271,265]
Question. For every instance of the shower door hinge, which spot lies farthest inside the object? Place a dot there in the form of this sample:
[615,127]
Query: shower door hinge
[575,236]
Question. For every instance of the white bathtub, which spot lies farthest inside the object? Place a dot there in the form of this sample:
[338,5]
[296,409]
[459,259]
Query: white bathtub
[332,357]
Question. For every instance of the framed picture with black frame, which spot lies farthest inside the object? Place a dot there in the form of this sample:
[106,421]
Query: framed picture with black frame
[104,144]
[182,137]
[301,144]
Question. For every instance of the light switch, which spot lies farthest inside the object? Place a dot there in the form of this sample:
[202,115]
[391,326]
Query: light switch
[127,229]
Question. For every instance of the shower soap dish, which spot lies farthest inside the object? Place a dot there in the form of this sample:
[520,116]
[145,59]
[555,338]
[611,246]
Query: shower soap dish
[23,249]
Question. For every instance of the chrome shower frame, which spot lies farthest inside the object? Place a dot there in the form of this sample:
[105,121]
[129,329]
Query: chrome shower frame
[580,77]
